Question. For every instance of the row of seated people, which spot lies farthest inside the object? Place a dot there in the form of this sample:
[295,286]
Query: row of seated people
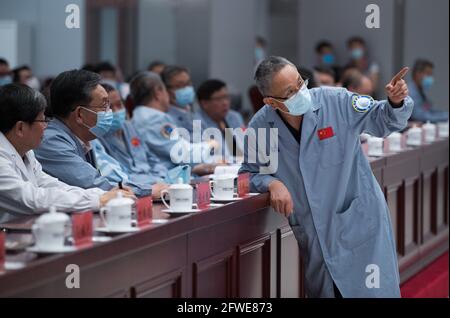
[78,152]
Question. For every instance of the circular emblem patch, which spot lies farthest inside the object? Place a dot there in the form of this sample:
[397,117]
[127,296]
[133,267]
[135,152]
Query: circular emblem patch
[362,103]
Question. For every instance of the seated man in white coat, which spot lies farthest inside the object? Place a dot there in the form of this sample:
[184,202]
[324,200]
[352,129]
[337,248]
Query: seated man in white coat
[24,188]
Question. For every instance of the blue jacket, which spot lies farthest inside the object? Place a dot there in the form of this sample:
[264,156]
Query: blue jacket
[341,219]
[233,120]
[132,153]
[423,110]
[62,155]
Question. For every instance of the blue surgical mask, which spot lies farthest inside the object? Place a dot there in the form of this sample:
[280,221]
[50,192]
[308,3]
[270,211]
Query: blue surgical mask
[174,174]
[104,121]
[185,96]
[328,59]
[118,120]
[259,54]
[427,82]
[300,103]
[4,80]
[357,53]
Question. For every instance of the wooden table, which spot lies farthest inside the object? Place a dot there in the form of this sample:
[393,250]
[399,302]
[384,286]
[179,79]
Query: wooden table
[242,249]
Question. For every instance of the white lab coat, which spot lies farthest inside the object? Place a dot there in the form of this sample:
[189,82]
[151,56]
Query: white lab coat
[25,189]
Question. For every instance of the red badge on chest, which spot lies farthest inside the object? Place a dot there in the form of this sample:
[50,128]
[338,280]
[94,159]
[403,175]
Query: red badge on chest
[135,141]
[325,133]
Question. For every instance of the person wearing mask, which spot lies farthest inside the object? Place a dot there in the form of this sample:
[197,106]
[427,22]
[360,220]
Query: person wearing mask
[24,75]
[112,76]
[322,181]
[260,49]
[123,143]
[82,113]
[181,93]
[159,131]
[214,100]
[5,72]
[359,58]
[422,81]
[326,58]
[25,189]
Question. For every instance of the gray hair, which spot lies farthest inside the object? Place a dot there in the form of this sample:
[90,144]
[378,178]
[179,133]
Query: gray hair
[266,71]
[143,87]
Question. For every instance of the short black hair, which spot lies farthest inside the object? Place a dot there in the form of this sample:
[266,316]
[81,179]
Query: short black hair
[19,102]
[261,41]
[3,61]
[108,88]
[356,39]
[72,88]
[306,74]
[17,70]
[325,70]
[208,88]
[170,72]
[105,67]
[323,44]
[420,65]
[89,67]
[154,64]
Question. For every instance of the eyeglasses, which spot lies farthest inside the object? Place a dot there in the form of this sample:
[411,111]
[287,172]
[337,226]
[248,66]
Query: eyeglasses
[300,85]
[105,107]
[45,120]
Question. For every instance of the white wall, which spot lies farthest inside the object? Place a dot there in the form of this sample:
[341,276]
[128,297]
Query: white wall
[426,36]
[156,32]
[54,48]
[193,36]
[233,32]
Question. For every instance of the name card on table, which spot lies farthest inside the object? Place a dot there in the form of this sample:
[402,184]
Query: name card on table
[82,228]
[2,250]
[144,211]
[203,195]
[243,184]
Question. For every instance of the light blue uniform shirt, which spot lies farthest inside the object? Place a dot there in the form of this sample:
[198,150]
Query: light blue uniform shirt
[130,150]
[233,120]
[63,156]
[341,219]
[182,117]
[423,110]
[155,128]
[111,169]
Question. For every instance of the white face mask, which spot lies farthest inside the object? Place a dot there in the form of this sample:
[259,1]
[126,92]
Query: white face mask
[299,103]
[33,82]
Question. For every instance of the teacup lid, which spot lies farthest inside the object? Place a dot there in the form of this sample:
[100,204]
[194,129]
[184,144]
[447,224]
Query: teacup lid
[119,200]
[415,128]
[429,125]
[395,134]
[180,185]
[225,176]
[52,217]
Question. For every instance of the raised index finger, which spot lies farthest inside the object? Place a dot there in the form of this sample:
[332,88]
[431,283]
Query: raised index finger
[399,75]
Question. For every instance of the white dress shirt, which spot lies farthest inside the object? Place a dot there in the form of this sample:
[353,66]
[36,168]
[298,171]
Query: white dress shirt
[25,189]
